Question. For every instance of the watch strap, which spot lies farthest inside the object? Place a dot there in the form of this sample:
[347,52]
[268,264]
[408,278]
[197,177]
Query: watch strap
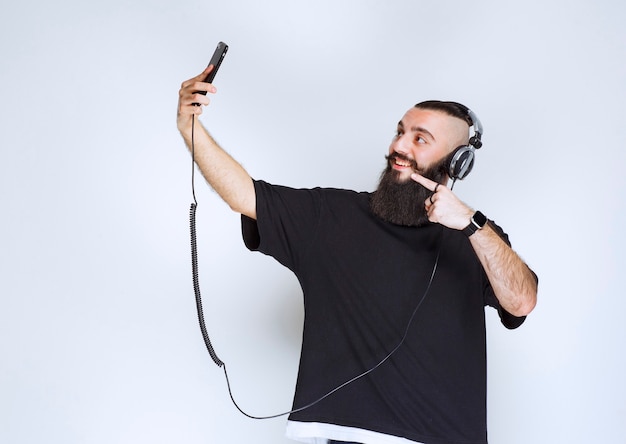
[477,222]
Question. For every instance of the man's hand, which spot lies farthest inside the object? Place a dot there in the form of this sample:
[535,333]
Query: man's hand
[189,95]
[443,207]
[512,281]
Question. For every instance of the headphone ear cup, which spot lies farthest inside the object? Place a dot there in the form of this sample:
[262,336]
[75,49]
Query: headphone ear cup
[461,162]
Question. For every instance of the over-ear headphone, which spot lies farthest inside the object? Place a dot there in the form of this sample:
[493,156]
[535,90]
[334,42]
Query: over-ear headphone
[461,161]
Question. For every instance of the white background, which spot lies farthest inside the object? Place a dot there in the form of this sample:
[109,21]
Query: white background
[98,335]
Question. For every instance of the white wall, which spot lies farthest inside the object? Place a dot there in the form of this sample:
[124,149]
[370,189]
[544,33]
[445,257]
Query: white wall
[98,333]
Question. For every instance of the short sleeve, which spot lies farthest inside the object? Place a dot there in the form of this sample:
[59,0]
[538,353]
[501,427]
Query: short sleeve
[287,219]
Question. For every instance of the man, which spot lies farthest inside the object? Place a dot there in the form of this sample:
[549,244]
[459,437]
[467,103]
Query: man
[395,283]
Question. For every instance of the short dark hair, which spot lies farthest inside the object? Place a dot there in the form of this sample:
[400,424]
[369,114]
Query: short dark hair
[453,109]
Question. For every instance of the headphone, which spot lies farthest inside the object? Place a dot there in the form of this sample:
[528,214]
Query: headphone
[461,160]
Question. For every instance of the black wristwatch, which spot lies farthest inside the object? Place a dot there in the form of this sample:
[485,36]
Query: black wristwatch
[477,221]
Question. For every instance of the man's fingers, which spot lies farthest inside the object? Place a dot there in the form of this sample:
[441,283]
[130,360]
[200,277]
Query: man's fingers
[201,87]
[196,100]
[427,183]
[205,72]
[197,83]
[193,92]
[192,80]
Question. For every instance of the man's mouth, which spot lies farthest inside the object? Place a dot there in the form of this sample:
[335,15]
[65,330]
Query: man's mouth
[402,163]
[399,161]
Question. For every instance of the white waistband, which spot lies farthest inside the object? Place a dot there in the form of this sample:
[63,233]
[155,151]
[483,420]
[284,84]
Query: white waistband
[320,433]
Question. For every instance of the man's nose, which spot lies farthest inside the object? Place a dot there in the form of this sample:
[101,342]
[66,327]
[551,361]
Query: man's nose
[400,145]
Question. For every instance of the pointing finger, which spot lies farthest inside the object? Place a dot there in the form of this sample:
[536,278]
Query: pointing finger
[427,183]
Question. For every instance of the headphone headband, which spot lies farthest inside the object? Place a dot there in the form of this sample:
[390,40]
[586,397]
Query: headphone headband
[477,127]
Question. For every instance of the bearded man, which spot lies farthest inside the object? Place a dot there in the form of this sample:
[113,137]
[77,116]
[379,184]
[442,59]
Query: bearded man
[395,284]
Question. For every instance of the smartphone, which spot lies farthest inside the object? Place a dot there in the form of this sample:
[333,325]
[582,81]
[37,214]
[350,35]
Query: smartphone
[216,61]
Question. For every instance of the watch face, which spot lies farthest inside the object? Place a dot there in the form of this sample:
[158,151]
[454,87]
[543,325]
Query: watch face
[479,219]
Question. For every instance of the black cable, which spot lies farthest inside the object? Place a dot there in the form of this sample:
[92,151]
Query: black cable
[205,336]
[194,256]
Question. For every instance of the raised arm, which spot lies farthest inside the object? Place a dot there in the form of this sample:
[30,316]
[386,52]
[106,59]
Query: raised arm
[225,175]
[512,281]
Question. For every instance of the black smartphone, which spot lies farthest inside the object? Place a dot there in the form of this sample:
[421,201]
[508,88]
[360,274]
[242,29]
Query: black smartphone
[216,61]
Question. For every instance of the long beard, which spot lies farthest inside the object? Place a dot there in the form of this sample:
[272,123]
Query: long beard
[403,202]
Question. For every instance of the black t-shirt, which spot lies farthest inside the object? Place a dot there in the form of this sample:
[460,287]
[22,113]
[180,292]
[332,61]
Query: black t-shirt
[362,279]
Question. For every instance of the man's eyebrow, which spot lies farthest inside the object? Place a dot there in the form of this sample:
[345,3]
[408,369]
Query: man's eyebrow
[419,129]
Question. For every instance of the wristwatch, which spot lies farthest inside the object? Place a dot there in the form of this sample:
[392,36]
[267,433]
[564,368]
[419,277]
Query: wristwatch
[477,221]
